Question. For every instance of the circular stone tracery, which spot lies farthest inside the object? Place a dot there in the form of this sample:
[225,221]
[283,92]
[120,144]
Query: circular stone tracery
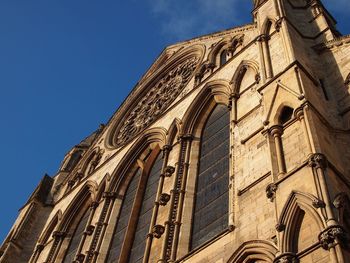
[156,100]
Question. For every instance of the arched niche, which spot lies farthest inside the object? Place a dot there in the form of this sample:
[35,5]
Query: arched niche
[298,216]
[254,251]
[214,92]
[246,75]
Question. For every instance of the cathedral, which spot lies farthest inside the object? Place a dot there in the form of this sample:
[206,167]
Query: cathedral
[232,148]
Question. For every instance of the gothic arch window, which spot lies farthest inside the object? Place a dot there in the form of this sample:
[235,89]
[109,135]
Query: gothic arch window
[213,178]
[125,212]
[129,240]
[76,238]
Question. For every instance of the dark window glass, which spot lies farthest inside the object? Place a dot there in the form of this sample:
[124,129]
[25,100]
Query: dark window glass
[78,234]
[286,115]
[211,198]
[223,57]
[119,234]
[138,246]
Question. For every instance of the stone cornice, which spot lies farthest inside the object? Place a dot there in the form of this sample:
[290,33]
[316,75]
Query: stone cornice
[337,42]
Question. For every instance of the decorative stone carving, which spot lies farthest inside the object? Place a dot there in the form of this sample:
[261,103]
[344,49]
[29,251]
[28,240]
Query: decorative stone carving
[318,160]
[278,24]
[95,161]
[271,191]
[89,230]
[168,171]
[156,101]
[79,258]
[58,234]
[317,203]
[158,231]
[280,227]
[286,258]
[328,237]
[164,199]
[341,200]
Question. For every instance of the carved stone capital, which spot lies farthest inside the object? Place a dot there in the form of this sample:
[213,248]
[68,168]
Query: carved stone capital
[186,137]
[71,183]
[58,234]
[280,227]
[110,195]
[286,258]
[263,38]
[299,113]
[276,130]
[330,235]
[271,191]
[341,200]
[164,199]
[278,24]
[318,160]
[40,247]
[79,258]
[167,148]
[168,171]
[89,230]
[94,205]
[317,203]
[158,231]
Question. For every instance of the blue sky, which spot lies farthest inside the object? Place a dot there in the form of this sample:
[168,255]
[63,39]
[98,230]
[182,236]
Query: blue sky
[65,66]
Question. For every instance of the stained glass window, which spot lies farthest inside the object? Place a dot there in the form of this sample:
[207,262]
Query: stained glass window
[78,234]
[138,246]
[211,198]
[119,234]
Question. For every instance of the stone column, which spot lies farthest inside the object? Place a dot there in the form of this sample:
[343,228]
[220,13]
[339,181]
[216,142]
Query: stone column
[277,131]
[331,236]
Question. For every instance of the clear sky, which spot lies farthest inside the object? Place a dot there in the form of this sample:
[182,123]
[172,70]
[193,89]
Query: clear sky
[65,66]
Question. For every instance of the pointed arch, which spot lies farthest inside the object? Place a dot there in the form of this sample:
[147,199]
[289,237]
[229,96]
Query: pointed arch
[284,109]
[86,195]
[174,129]
[144,144]
[267,26]
[214,92]
[240,73]
[50,228]
[221,45]
[254,250]
[228,45]
[297,205]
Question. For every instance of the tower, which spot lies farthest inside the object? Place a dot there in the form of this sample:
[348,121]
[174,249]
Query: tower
[233,147]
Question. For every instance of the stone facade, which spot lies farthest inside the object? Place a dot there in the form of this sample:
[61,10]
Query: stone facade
[285,80]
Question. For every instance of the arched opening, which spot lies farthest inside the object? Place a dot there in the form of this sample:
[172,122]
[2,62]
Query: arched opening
[139,192]
[125,213]
[285,115]
[76,237]
[223,57]
[213,178]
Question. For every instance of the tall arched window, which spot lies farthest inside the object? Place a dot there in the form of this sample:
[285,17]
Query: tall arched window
[119,233]
[210,216]
[77,236]
[144,218]
[129,240]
